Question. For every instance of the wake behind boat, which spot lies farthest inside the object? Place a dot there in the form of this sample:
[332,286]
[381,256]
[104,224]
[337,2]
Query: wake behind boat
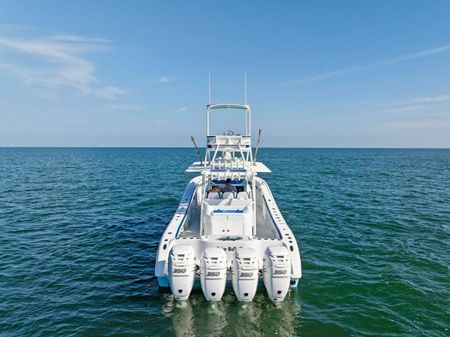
[228,229]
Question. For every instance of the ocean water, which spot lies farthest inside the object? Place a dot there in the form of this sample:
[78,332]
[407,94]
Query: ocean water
[79,230]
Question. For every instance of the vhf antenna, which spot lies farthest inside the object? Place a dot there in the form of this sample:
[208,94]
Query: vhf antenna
[245,87]
[209,88]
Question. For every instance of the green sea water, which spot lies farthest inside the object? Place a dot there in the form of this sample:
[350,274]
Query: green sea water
[79,230]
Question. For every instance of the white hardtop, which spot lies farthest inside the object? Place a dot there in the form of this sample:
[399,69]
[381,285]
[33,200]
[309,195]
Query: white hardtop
[228,106]
[229,153]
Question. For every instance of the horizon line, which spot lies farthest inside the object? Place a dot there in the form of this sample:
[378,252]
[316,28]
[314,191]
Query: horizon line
[265,147]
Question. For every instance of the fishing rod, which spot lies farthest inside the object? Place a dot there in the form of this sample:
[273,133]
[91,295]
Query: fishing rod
[198,151]
[257,144]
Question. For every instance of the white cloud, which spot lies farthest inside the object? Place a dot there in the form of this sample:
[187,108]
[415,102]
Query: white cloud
[417,125]
[422,100]
[180,109]
[324,76]
[429,105]
[56,62]
[166,79]
[122,107]
[405,57]
[79,39]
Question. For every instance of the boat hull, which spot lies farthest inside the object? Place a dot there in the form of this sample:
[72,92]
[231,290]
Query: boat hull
[271,231]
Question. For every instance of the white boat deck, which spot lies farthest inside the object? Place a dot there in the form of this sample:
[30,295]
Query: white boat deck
[265,228]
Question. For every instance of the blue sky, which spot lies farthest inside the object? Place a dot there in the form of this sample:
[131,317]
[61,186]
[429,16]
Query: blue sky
[320,73]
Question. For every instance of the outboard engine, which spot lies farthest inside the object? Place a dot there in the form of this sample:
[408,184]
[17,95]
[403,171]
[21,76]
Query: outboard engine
[213,273]
[277,272]
[181,271]
[245,274]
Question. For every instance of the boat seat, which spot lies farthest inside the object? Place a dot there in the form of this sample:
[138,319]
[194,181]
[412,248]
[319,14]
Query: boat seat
[242,195]
[228,195]
[213,195]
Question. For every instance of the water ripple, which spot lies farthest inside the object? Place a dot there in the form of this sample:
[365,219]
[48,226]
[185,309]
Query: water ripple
[79,229]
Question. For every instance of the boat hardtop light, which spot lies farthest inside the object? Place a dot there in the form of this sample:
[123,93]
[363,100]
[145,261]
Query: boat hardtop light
[227,230]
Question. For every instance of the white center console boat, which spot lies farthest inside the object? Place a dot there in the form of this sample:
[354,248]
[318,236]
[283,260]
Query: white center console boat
[228,230]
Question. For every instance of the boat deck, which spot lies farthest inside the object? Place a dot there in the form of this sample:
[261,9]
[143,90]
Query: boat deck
[192,226]
[264,229]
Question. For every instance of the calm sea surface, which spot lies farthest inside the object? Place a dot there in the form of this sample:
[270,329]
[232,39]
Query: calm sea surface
[79,230]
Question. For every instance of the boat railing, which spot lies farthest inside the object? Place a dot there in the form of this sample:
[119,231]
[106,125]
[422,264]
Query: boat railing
[229,140]
[228,165]
[230,154]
